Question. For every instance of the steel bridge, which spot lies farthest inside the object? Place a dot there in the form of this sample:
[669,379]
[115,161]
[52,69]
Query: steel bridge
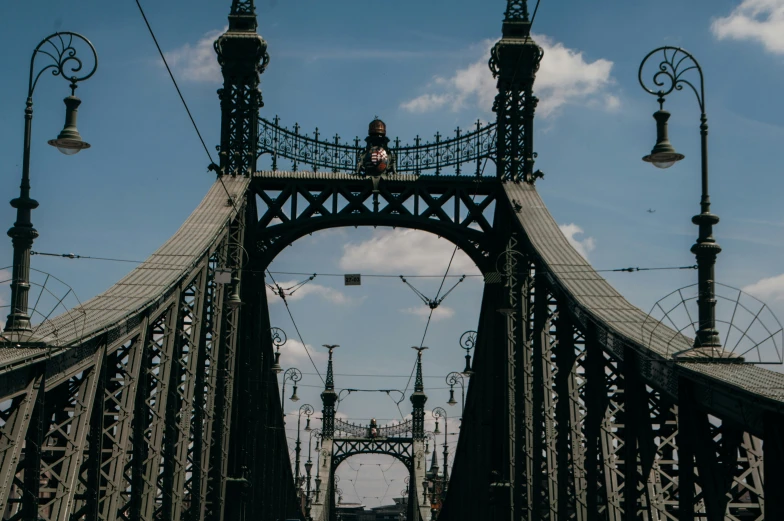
[158,403]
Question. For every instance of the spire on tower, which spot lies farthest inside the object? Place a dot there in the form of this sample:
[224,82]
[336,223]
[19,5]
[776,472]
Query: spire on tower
[328,399]
[419,384]
[514,61]
[330,383]
[418,399]
[242,55]
[433,472]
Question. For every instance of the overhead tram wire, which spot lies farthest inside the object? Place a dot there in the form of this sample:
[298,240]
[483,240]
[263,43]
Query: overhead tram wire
[184,104]
[631,269]
[441,286]
[296,328]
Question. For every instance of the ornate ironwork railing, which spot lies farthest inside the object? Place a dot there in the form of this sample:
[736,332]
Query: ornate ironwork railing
[475,147]
[363,431]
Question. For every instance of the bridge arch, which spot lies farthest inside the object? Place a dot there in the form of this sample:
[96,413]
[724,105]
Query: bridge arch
[295,204]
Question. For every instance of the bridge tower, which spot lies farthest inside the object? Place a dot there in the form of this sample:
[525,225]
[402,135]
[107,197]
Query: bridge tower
[242,55]
[514,61]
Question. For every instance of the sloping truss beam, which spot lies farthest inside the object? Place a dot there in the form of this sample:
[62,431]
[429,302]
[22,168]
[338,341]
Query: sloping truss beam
[592,439]
[292,207]
[128,432]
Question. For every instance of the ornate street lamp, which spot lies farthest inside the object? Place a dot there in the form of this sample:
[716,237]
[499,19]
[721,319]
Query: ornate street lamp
[452,379]
[439,412]
[307,409]
[292,375]
[668,77]
[60,47]
[468,342]
[309,465]
[278,338]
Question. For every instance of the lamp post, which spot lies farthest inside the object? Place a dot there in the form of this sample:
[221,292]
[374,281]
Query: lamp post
[674,64]
[307,409]
[309,463]
[292,375]
[439,412]
[452,379]
[317,480]
[60,48]
[468,342]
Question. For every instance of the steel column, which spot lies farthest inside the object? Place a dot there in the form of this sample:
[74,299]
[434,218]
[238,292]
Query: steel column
[13,434]
[182,388]
[774,466]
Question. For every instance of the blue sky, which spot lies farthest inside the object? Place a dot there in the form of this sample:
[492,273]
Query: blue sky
[421,66]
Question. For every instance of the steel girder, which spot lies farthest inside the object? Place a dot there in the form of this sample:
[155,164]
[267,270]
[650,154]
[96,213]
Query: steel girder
[409,451]
[295,204]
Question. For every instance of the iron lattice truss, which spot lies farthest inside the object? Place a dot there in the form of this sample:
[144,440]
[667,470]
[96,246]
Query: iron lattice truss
[464,154]
[387,431]
[401,449]
[243,7]
[516,10]
[294,204]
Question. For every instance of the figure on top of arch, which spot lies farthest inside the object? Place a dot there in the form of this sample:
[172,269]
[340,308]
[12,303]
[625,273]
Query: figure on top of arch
[377,158]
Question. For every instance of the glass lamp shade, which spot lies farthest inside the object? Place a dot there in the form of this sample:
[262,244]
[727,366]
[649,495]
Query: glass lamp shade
[452,400]
[276,368]
[467,371]
[436,431]
[294,397]
[307,425]
[69,147]
[663,154]
[69,142]
[663,159]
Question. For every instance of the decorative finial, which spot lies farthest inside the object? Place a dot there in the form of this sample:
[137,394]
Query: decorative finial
[419,398]
[434,465]
[419,384]
[516,11]
[242,17]
[330,383]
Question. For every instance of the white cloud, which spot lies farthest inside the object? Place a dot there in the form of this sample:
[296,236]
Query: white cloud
[325,292]
[770,289]
[440,313]
[427,102]
[565,77]
[293,354]
[756,20]
[197,62]
[583,246]
[405,252]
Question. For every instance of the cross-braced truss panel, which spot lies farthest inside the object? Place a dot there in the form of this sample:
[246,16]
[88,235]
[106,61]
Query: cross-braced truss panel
[400,448]
[293,206]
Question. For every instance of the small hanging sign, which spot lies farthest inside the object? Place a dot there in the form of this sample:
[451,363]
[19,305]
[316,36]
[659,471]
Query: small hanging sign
[352,279]
[223,276]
